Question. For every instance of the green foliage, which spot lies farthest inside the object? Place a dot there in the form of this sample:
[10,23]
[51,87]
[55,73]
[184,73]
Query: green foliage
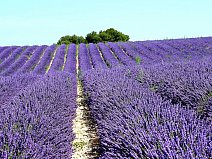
[79,145]
[104,36]
[71,39]
[111,35]
[138,60]
[93,37]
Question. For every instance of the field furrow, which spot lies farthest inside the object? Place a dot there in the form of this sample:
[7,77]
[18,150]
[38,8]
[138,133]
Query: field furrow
[86,141]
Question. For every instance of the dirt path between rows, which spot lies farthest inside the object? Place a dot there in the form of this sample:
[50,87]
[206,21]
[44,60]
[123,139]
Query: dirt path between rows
[85,144]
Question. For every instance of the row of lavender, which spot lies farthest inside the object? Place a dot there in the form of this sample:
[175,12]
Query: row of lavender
[161,95]
[37,59]
[161,111]
[36,114]
[187,83]
[144,53]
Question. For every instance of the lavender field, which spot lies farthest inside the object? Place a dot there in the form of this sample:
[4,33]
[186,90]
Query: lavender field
[146,99]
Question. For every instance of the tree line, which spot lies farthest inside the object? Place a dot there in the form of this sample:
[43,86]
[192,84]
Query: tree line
[109,35]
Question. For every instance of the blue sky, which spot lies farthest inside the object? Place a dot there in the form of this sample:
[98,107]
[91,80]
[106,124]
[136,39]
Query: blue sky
[28,22]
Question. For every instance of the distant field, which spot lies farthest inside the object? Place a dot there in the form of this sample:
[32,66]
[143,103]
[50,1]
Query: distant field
[145,99]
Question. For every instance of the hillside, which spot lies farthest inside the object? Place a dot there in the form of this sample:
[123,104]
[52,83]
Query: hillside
[143,99]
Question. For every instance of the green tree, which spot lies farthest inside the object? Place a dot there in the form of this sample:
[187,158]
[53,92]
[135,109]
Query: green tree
[71,39]
[111,35]
[81,39]
[93,37]
[104,36]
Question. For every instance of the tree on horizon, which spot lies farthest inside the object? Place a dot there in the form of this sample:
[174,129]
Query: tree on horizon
[109,35]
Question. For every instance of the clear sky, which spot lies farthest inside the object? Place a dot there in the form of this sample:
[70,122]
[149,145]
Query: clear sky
[28,22]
